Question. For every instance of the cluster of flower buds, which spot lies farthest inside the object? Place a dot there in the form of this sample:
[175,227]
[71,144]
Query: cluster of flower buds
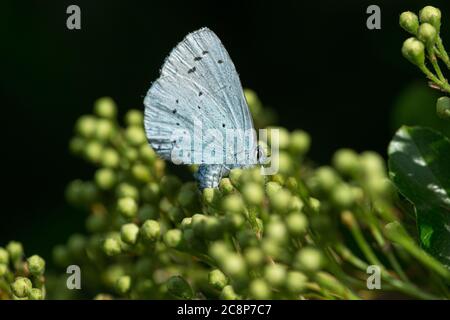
[427,43]
[20,278]
[304,232]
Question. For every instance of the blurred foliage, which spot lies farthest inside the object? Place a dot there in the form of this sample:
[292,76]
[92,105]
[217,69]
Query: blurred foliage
[414,106]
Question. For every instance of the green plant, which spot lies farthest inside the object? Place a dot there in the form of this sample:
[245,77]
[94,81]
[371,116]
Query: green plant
[419,157]
[305,232]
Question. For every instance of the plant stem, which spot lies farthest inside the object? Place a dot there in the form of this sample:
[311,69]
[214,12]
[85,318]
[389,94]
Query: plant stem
[442,52]
[443,85]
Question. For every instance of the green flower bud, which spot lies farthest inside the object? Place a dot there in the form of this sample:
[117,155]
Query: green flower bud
[176,214]
[93,151]
[326,178]
[21,287]
[198,224]
[112,247]
[228,293]
[235,175]
[105,108]
[372,164]
[170,185]
[129,233]
[211,196]
[234,266]
[342,196]
[123,284]
[179,288]
[427,34]
[259,289]
[61,256]
[233,203]
[96,223]
[127,207]
[213,228]
[4,256]
[86,126]
[76,145]
[36,265]
[443,108]
[414,51]
[315,204]
[151,231]
[77,245]
[104,130]
[112,274]
[173,238]
[36,294]
[300,142]
[309,259]
[131,154]
[253,193]
[346,161]
[253,101]
[134,118]
[126,190]
[135,135]
[148,212]
[275,274]
[105,178]
[218,251]
[141,173]
[225,186]
[432,16]
[283,137]
[247,238]
[409,22]
[272,188]
[110,158]
[296,282]
[15,250]
[276,231]
[147,154]
[280,201]
[297,223]
[3,269]
[217,279]
[151,192]
[254,257]
[187,197]
[103,296]
[74,192]
[234,222]
[186,223]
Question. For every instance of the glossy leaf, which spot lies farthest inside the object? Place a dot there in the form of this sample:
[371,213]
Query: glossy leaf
[419,164]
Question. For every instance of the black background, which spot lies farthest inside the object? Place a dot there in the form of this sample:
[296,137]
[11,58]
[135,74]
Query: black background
[314,62]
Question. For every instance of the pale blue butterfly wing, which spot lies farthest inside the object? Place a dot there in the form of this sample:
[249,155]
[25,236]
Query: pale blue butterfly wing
[199,84]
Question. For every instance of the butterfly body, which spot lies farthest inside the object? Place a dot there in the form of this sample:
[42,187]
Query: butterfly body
[196,112]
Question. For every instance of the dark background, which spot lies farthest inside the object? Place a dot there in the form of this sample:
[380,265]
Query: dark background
[314,62]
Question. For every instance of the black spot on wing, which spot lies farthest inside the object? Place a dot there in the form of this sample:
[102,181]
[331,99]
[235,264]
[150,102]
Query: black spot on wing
[200,93]
[192,70]
[219,61]
[205,52]
[197,58]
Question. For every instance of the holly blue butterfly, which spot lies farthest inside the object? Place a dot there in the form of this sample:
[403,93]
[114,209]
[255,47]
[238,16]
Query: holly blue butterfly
[196,112]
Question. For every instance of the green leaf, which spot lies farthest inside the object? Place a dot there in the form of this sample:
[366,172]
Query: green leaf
[419,165]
